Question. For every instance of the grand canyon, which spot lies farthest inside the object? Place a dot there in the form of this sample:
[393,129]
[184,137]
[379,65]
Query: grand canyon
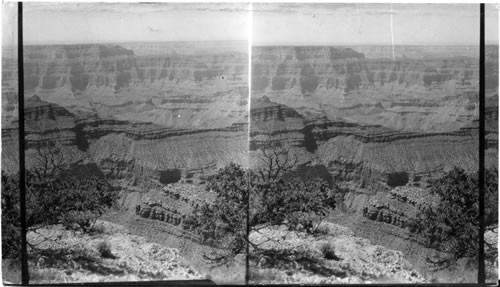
[158,119]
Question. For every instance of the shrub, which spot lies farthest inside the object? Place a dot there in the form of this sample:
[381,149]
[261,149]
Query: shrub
[452,224]
[224,221]
[11,220]
[328,251]
[97,229]
[294,202]
[301,203]
[322,229]
[75,202]
[104,249]
[69,201]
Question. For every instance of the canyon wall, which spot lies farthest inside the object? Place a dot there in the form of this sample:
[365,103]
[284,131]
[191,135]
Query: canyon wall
[365,156]
[368,157]
[188,85]
[157,119]
[143,114]
[430,94]
[126,151]
[167,84]
[372,122]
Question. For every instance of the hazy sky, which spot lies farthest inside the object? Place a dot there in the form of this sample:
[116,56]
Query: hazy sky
[9,24]
[369,23]
[275,23]
[126,22]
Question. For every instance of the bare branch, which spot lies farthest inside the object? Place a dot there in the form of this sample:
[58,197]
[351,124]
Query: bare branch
[276,158]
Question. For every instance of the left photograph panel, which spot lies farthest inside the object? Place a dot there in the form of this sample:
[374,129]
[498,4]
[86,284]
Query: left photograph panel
[11,221]
[132,112]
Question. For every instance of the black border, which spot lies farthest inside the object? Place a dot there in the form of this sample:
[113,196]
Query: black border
[22,184]
[481,274]
[22,159]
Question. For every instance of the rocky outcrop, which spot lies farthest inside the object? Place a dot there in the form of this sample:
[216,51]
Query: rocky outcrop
[77,257]
[158,212]
[170,203]
[355,260]
[398,207]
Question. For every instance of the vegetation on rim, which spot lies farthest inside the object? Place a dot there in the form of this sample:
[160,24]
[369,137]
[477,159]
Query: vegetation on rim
[268,196]
[54,195]
[452,224]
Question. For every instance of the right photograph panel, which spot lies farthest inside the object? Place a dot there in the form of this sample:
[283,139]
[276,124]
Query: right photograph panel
[364,131]
[491,134]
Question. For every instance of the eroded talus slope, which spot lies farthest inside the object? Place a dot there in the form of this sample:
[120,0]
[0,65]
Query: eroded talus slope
[200,90]
[429,95]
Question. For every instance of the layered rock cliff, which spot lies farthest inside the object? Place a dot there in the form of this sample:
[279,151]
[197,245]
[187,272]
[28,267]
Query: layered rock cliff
[174,88]
[380,128]
[426,95]
[188,85]
[370,157]
[365,156]
[364,150]
[123,150]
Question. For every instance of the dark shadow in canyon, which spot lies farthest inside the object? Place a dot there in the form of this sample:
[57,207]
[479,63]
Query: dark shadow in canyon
[397,179]
[170,176]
